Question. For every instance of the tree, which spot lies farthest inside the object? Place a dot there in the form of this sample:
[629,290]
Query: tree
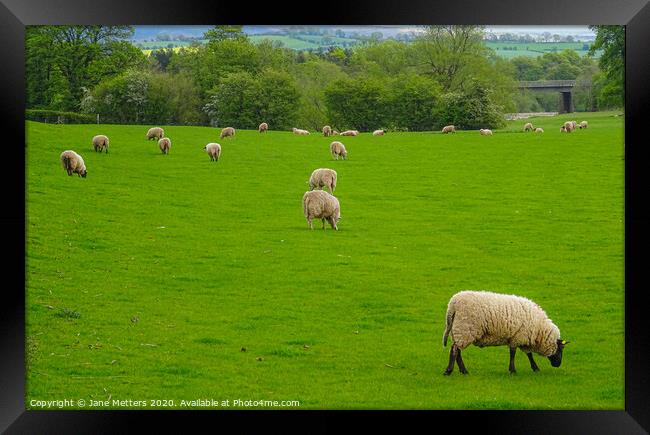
[220,33]
[611,39]
[471,109]
[357,104]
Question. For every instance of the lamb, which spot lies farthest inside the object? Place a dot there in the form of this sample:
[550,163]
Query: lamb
[73,163]
[486,132]
[156,133]
[539,130]
[323,177]
[528,127]
[263,128]
[327,131]
[300,132]
[165,143]
[583,124]
[378,133]
[214,151]
[448,129]
[350,133]
[485,318]
[338,149]
[321,205]
[227,132]
[100,142]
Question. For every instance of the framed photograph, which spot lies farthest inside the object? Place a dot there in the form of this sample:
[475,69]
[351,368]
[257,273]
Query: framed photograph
[385,211]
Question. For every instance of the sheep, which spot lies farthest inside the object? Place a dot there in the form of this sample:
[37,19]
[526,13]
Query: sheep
[165,143]
[327,131]
[214,151]
[539,130]
[100,142]
[300,132]
[583,124]
[263,128]
[486,132]
[335,133]
[448,129]
[73,163]
[568,126]
[563,129]
[323,177]
[528,127]
[350,133]
[227,132]
[321,205]
[338,149]
[378,133]
[156,133]
[574,125]
[485,318]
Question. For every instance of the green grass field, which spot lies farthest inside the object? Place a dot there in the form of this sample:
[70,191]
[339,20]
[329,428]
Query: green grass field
[147,278]
[534,49]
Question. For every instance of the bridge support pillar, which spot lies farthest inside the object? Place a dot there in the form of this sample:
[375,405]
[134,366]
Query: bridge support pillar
[566,105]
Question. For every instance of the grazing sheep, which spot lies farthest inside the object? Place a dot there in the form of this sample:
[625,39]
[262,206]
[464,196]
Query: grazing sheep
[539,130]
[263,128]
[321,205]
[155,133]
[350,133]
[528,127]
[73,163]
[486,132]
[165,143]
[583,124]
[574,125]
[300,132]
[448,129]
[335,133]
[214,151]
[338,149]
[327,131]
[323,177]
[569,126]
[227,132]
[563,129]
[485,318]
[100,142]
[378,133]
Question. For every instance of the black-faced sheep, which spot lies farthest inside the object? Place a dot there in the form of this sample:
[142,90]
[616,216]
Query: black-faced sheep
[100,142]
[214,151]
[321,205]
[338,149]
[583,124]
[323,177]
[73,163]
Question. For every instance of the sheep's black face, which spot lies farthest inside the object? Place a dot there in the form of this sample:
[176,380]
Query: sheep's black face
[556,358]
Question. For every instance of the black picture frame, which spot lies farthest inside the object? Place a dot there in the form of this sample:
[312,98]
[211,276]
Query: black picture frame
[16,14]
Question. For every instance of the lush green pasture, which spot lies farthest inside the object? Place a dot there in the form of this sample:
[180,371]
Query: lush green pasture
[147,278]
[534,49]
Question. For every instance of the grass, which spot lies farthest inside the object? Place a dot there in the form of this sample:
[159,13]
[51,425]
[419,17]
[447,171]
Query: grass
[173,277]
[534,49]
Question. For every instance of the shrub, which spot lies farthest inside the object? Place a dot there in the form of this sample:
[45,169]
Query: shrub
[57,117]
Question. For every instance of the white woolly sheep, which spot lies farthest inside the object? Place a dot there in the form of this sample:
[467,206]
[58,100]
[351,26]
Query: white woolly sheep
[338,149]
[484,318]
[227,132]
[327,131]
[574,125]
[100,142]
[486,132]
[583,124]
[300,132]
[335,133]
[563,129]
[569,126]
[528,127]
[378,132]
[323,177]
[165,143]
[448,129]
[263,128]
[539,130]
[156,133]
[214,151]
[350,133]
[321,205]
[73,163]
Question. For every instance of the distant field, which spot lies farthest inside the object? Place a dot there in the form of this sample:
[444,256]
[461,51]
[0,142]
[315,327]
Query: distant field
[512,49]
[173,277]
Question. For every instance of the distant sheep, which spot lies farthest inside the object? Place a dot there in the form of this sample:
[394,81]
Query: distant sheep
[165,143]
[574,125]
[485,318]
[568,126]
[323,177]
[263,128]
[486,132]
[338,149]
[321,205]
[335,133]
[327,131]
[583,124]
[156,133]
[528,127]
[73,163]
[214,151]
[300,132]
[448,129]
[350,133]
[227,132]
[100,142]
[563,129]
[539,130]
[378,133]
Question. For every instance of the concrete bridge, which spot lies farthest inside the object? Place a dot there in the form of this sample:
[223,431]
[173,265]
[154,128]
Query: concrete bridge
[564,87]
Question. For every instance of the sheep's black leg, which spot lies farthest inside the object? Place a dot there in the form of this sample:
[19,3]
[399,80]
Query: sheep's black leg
[532,362]
[513,350]
[452,359]
[461,364]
